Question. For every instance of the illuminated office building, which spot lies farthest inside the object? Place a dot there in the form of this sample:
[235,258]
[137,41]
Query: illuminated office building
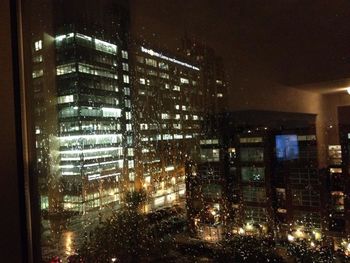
[83,126]
[95,129]
[168,105]
[114,116]
[278,185]
[173,94]
[270,175]
[207,187]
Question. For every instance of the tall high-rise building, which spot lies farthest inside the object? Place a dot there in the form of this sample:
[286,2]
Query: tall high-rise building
[168,105]
[103,112]
[213,79]
[110,115]
[81,82]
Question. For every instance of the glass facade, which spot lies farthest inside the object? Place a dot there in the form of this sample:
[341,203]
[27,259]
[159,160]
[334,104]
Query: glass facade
[253,174]
[252,154]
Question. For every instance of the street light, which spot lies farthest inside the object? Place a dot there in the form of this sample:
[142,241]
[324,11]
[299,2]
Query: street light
[290,238]
[241,231]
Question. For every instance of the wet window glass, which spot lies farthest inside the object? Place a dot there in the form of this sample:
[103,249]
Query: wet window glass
[192,131]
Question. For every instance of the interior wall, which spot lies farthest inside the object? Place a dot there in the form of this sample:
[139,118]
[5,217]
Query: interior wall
[11,242]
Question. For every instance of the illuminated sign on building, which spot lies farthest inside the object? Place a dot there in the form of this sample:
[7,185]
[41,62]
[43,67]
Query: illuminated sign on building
[159,55]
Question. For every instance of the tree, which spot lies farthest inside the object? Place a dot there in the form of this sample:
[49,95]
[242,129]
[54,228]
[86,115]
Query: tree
[134,199]
[248,249]
[126,236]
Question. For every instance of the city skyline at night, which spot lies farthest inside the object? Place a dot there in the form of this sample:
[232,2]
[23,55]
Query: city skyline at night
[183,131]
[123,115]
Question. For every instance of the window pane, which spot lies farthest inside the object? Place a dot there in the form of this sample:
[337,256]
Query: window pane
[150,123]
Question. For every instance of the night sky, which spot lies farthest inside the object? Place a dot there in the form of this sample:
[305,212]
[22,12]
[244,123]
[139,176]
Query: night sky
[281,41]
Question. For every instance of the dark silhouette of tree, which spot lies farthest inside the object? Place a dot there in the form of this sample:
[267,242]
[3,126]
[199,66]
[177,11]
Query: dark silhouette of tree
[247,249]
[126,236]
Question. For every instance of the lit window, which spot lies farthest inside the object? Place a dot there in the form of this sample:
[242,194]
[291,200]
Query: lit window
[169,168]
[152,73]
[83,37]
[125,54]
[128,127]
[105,46]
[65,99]
[251,140]
[183,107]
[127,91]
[130,151]
[163,65]
[219,95]
[167,86]
[184,81]
[132,176]
[144,126]
[111,112]
[164,75]
[125,66]
[177,107]
[68,112]
[38,59]
[130,164]
[195,117]
[65,69]
[126,78]
[38,45]
[176,88]
[128,115]
[142,81]
[159,201]
[128,103]
[37,73]
[129,140]
[178,136]
[165,116]
[167,137]
[94,70]
[151,62]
